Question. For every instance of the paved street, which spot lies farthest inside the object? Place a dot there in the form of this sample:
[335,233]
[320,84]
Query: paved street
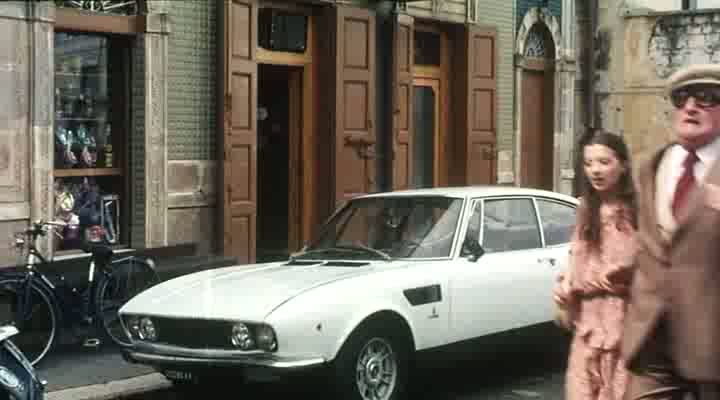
[533,371]
[537,375]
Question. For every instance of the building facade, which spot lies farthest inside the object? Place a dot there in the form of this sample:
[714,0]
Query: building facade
[637,45]
[240,125]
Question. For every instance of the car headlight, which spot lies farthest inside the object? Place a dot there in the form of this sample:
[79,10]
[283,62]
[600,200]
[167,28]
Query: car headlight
[10,381]
[266,339]
[241,337]
[132,326]
[146,329]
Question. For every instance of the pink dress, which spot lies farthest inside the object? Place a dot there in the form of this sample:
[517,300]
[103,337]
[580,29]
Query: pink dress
[595,371]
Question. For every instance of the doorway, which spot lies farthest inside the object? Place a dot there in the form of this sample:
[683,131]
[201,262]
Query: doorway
[538,110]
[279,170]
[426,102]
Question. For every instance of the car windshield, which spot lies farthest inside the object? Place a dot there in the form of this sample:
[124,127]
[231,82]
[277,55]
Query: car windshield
[389,228]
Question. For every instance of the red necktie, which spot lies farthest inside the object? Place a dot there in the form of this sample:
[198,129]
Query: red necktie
[686,182]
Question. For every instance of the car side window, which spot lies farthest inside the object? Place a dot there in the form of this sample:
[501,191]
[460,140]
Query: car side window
[558,221]
[510,224]
[473,228]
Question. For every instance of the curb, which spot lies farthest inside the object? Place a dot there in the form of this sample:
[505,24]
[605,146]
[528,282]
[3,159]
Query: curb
[113,389]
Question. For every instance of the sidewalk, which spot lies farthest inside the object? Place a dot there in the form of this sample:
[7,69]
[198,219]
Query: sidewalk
[77,373]
[89,374]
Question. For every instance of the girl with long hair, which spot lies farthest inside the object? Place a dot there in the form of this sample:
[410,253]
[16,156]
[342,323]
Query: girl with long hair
[594,289]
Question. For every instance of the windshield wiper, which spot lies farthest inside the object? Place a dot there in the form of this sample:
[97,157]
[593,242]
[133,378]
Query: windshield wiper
[377,252]
[344,248]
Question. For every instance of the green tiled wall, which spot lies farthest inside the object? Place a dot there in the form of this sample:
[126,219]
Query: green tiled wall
[192,103]
[499,13]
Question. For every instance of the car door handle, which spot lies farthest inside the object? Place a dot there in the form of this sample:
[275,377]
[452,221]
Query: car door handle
[547,260]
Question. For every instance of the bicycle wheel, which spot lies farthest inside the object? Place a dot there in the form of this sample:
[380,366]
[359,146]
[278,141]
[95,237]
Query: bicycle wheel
[38,325]
[128,277]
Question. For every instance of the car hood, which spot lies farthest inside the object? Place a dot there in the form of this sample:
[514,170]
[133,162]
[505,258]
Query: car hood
[240,292]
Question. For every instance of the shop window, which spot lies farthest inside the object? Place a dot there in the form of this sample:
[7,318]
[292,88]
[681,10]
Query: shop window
[427,48]
[90,135]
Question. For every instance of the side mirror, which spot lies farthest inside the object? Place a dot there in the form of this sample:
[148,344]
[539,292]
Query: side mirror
[473,249]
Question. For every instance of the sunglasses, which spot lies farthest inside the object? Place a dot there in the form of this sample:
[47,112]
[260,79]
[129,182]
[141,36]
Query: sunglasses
[706,96]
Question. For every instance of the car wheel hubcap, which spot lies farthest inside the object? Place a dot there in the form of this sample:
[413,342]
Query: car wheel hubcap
[377,370]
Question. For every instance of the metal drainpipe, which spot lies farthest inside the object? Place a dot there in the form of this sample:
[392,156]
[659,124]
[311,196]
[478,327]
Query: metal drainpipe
[590,103]
[591,63]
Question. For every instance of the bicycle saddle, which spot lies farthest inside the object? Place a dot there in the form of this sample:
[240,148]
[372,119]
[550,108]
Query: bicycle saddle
[99,252]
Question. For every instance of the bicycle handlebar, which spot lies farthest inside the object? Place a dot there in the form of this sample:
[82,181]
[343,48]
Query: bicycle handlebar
[39,228]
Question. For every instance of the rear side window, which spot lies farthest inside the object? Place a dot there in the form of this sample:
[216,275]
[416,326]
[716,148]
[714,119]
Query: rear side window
[510,224]
[558,221]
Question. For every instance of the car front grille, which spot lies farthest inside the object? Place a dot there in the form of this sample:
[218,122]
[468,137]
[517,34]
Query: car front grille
[194,333]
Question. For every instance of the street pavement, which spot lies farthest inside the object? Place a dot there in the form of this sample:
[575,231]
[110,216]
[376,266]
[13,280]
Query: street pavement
[74,366]
[533,375]
[534,371]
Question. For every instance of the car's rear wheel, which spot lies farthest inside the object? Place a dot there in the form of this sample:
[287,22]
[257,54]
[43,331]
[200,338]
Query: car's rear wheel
[373,364]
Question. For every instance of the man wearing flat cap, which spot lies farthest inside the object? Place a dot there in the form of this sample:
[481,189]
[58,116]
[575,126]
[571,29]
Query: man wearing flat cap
[671,339]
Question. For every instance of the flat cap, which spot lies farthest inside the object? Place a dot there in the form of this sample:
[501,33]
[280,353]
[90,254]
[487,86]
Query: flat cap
[697,73]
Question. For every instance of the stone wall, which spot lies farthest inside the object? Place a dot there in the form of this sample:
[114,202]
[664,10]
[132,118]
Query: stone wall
[25,125]
[635,52]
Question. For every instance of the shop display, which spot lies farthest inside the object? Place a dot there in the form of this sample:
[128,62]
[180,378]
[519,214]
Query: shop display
[88,154]
[83,135]
[91,214]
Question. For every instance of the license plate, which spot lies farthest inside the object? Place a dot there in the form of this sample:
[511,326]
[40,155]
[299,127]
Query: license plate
[179,375]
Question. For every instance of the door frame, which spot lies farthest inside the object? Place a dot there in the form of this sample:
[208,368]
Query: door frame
[564,77]
[302,135]
[441,74]
[255,55]
[436,85]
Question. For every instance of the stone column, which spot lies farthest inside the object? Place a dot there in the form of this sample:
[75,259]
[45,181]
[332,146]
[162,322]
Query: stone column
[565,120]
[156,128]
[15,125]
[42,87]
[26,123]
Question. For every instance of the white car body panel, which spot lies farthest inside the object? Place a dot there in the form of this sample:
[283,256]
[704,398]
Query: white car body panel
[314,308]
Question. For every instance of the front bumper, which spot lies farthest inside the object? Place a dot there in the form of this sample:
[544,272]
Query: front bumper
[161,355]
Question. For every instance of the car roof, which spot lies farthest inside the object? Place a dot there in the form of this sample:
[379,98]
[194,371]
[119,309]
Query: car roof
[476,191]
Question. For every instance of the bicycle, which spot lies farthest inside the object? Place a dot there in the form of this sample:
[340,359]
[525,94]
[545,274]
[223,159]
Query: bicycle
[43,308]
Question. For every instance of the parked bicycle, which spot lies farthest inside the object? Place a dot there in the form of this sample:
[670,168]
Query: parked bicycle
[44,306]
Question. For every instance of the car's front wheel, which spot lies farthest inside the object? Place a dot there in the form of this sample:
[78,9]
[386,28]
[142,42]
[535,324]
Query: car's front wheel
[373,364]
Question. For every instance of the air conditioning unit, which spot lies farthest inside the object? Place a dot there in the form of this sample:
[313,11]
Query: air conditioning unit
[282,30]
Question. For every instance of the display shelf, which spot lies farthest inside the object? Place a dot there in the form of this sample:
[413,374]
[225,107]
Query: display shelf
[72,172]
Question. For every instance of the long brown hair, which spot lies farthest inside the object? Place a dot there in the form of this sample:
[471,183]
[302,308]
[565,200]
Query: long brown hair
[589,212]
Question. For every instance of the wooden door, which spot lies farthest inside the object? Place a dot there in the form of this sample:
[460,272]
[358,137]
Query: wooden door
[239,138]
[355,137]
[536,143]
[403,59]
[424,152]
[477,106]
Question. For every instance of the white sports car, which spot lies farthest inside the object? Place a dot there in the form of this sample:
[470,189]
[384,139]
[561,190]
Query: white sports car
[390,275]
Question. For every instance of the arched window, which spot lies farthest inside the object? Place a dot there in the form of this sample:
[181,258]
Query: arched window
[118,7]
[539,42]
